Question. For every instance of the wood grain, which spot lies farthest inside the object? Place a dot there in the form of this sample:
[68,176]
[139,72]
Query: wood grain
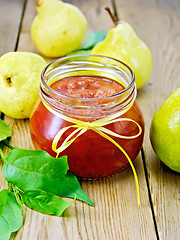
[158,24]
[10,18]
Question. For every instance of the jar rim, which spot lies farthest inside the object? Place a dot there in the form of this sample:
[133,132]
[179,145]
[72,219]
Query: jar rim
[131,83]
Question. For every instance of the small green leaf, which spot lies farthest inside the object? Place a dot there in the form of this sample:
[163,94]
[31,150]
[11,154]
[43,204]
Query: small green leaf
[3,199]
[93,38]
[100,36]
[90,42]
[37,170]
[18,196]
[5,130]
[79,52]
[5,142]
[11,217]
[45,202]
[1,146]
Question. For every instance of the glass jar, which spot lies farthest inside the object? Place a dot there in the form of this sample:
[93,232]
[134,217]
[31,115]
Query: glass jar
[90,155]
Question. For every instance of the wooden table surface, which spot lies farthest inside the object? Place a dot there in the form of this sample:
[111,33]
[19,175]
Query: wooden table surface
[116,214]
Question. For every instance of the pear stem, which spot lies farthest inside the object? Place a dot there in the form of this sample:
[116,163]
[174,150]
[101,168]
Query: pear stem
[112,16]
[39,2]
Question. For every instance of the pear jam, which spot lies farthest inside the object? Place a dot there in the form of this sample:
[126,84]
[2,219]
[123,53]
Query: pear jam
[87,86]
[86,97]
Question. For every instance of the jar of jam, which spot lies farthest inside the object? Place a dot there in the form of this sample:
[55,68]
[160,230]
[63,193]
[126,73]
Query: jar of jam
[89,88]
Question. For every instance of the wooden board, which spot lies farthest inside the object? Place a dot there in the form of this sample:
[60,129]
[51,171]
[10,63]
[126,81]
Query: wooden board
[11,13]
[158,24]
[116,214]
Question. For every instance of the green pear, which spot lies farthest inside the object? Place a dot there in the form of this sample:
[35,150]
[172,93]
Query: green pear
[165,132]
[122,43]
[20,74]
[58,29]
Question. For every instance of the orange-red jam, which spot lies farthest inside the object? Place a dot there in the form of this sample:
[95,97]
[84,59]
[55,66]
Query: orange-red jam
[90,155]
[87,86]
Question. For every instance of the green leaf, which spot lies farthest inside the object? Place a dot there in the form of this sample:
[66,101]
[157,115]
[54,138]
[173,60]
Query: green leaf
[1,146]
[45,202]
[90,42]
[100,36]
[4,228]
[5,130]
[79,52]
[37,170]
[93,38]
[3,199]
[5,142]
[11,217]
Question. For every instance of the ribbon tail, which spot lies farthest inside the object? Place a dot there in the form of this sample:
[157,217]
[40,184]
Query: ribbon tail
[128,158]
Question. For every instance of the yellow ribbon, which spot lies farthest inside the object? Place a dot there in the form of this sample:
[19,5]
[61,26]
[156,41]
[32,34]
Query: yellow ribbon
[97,126]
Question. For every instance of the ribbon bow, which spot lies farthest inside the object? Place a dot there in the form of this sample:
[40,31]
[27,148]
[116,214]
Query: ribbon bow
[97,126]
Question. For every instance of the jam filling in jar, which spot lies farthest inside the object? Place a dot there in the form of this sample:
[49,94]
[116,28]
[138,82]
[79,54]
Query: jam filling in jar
[88,88]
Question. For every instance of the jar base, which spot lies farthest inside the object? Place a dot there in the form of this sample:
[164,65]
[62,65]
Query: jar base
[99,177]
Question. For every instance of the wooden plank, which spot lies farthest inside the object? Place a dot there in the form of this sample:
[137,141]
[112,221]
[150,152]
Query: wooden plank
[158,24]
[10,18]
[116,214]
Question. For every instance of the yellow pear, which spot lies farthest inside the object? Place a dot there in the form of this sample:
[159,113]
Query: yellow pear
[20,74]
[122,43]
[58,29]
[165,131]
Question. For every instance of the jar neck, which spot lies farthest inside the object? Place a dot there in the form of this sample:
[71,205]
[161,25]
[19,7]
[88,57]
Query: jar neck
[88,109]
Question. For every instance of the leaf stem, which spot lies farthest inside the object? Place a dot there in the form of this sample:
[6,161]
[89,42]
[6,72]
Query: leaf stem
[18,196]
[10,187]
[6,142]
[2,156]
